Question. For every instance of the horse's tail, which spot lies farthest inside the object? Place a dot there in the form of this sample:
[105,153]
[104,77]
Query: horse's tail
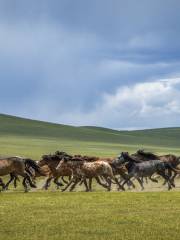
[33,164]
[169,166]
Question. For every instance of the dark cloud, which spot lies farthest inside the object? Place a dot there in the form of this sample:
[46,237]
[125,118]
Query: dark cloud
[61,56]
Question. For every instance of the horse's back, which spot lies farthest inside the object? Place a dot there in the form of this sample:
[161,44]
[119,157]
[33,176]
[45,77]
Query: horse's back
[147,168]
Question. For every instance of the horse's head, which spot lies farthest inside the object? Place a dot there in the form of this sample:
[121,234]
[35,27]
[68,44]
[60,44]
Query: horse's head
[121,159]
[44,160]
[64,160]
[140,151]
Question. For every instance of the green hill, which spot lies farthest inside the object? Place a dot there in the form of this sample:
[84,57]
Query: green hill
[33,138]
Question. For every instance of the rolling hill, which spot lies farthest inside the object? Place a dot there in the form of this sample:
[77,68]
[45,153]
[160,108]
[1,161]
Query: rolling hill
[33,138]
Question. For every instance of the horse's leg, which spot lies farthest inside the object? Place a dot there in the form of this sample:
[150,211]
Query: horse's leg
[74,185]
[86,185]
[69,183]
[2,184]
[140,182]
[66,182]
[166,178]
[121,179]
[90,185]
[142,179]
[100,183]
[47,183]
[127,179]
[153,179]
[12,177]
[25,185]
[119,185]
[108,180]
[169,173]
[15,181]
[29,181]
[59,184]
[173,178]
[81,182]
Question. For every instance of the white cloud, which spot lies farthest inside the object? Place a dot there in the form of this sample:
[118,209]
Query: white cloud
[143,105]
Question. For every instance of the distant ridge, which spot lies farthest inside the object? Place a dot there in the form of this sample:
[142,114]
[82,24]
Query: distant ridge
[18,126]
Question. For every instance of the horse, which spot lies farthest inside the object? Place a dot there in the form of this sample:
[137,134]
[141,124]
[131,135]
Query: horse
[50,162]
[141,155]
[117,171]
[18,166]
[144,169]
[82,170]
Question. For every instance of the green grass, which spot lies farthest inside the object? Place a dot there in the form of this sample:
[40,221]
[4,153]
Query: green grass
[97,215]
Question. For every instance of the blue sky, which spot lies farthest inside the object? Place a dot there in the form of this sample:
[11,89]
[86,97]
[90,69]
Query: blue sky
[109,63]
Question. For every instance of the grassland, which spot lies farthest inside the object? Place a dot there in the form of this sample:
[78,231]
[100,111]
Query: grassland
[98,215]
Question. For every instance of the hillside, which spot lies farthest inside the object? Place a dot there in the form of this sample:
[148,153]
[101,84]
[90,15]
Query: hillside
[14,129]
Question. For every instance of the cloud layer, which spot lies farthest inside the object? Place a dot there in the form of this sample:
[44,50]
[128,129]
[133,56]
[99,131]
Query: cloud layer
[89,62]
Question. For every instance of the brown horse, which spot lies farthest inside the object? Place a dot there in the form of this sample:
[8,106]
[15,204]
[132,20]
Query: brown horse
[50,162]
[18,166]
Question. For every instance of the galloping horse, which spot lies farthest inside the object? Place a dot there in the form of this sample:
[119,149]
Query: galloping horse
[141,155]
[83,169]
[50,162]
[18,166]
[145,169]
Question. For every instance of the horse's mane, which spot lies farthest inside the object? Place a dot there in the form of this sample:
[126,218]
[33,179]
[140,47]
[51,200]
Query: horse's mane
[130,157]
[57,156]
[85,158]
[147,154]
[90,158]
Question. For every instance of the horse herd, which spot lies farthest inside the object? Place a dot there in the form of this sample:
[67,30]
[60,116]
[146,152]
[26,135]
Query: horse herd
[68,171]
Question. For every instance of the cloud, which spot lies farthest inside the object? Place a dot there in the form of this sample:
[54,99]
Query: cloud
[80,63]
[142,105]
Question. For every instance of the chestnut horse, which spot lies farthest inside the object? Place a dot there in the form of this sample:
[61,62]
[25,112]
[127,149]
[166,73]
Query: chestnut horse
[50,162]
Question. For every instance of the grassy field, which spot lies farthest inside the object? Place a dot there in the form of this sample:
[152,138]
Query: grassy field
[79,215]
[97,215]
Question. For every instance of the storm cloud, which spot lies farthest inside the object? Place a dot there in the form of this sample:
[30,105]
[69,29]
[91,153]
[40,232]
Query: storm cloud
[74,62]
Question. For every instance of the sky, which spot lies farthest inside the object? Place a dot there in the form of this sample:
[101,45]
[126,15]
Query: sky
[109,63]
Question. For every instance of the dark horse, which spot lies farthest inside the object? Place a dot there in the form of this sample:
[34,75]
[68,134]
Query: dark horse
[144,169]
[141,155]
[18,166]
